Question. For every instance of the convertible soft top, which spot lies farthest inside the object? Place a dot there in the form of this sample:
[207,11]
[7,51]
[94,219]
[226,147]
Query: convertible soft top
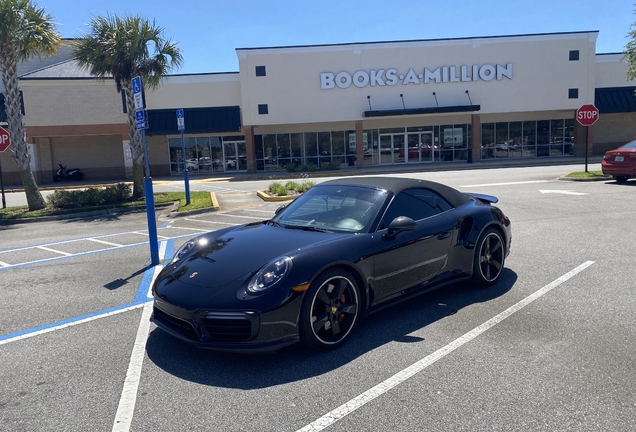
[398,184]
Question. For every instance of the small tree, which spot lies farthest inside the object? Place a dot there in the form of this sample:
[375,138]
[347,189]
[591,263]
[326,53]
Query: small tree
[630,52]
[121,49]
[25,31]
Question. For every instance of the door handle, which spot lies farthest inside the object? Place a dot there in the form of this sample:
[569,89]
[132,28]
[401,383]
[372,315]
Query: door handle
[444,235]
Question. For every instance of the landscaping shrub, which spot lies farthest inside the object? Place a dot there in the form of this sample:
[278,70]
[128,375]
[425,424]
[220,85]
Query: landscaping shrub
[90,197]
[278,189]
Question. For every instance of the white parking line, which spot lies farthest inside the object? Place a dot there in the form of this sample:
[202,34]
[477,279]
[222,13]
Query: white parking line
[212,222]
[240,217]
[357,402]
[190,229]
[54,250]
[104,242]
[508,184]
[139,233]
[126,408]
[4,264]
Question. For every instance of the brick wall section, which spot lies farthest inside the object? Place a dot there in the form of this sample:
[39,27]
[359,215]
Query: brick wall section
[614,130]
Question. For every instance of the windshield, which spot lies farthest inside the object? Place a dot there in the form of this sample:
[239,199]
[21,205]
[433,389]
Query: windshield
[629,145]
[334,208]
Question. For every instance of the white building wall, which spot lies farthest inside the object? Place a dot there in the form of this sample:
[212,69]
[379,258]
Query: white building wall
[542,75]
[611,71]
[196,91]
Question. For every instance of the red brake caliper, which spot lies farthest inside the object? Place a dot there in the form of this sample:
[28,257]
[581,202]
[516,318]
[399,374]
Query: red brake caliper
[341,316]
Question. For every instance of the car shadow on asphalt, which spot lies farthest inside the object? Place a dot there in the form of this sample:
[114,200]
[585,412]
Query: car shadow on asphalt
[625,183]
[254,371]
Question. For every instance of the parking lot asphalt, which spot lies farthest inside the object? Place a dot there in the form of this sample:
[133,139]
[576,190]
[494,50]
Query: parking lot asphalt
[550,347]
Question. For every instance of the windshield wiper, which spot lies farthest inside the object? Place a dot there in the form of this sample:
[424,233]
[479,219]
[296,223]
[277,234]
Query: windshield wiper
[307,228]
[272,222]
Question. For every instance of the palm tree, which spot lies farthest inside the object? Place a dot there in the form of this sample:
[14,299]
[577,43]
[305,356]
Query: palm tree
[26,30]
[121,49]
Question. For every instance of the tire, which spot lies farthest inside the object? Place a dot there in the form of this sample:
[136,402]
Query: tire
[80,176]
[56,178]
[330,310]
[489,259]
[621,178]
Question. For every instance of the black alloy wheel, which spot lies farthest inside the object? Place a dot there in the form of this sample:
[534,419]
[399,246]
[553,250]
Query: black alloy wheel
[489,258]
[330,310]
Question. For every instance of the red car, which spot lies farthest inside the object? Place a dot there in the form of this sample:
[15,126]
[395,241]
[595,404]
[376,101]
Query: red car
[620,163]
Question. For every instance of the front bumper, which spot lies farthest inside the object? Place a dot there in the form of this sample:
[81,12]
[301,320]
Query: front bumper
[233,331]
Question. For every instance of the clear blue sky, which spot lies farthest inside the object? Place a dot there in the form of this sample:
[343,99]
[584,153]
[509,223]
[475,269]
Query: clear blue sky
[208,32]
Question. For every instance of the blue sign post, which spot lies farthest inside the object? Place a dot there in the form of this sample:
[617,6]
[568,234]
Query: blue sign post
[140,116]
[186,178]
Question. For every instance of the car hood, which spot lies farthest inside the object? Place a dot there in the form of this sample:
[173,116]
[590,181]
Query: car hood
[242,251]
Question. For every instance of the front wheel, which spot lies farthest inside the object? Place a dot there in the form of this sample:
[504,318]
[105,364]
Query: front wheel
[56,178]
[490,255]
[330,310]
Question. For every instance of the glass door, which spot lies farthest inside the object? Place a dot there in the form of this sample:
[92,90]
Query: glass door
[230,156]
[399,148]
[414,154]
[427,147]
[242,156]
[386,149]
[392,149]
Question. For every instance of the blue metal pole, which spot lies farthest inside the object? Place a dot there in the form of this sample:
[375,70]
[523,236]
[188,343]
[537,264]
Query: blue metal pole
[186,176]
[150,207]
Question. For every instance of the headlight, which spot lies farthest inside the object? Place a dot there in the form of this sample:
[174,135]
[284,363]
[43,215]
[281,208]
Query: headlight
[269,275]
[187,247]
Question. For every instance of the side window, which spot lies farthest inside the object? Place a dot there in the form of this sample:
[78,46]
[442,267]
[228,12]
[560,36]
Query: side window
[417,204]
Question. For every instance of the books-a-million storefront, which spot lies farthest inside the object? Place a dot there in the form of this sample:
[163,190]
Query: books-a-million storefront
[360,104]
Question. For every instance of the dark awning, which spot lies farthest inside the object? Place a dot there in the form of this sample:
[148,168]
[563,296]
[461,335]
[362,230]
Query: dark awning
[615,99]
[197,120]
[431,110]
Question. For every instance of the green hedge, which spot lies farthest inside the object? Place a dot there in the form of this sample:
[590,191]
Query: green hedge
[68,199]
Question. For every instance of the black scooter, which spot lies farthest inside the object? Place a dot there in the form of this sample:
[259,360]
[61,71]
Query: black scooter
[67,174]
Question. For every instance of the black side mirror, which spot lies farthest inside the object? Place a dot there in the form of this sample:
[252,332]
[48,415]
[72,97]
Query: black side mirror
[279,209]
[399,224]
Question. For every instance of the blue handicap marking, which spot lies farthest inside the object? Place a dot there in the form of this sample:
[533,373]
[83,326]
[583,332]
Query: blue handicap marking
[179,113]
[139,115]
[136,84]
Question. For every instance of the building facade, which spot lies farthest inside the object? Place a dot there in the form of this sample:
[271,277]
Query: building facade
[362,104]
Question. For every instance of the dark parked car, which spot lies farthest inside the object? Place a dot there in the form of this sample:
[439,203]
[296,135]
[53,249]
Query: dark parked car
[620,163]
[339,251]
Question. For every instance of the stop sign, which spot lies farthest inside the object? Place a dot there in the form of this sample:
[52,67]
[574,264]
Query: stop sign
[587,115]
[5,139]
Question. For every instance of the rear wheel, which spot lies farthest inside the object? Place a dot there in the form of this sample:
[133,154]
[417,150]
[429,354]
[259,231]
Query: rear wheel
[489,258]
[330,310]
[621,178]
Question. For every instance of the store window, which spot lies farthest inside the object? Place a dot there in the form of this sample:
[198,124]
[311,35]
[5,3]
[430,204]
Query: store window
[487,140]
[543,138]
[529,139]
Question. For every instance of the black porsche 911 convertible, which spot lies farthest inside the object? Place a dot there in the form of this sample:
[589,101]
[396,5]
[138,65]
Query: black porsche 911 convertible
[337,252]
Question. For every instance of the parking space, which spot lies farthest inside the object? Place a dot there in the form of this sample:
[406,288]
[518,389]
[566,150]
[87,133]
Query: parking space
[547,348]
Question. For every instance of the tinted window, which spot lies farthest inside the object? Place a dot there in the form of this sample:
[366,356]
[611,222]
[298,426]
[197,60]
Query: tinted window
[629,145]
[335,208]
[415,203]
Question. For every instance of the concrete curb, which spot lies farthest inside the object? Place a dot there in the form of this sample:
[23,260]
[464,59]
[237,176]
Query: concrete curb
[82,215]
[175,213]
[266,197]
[589,179]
